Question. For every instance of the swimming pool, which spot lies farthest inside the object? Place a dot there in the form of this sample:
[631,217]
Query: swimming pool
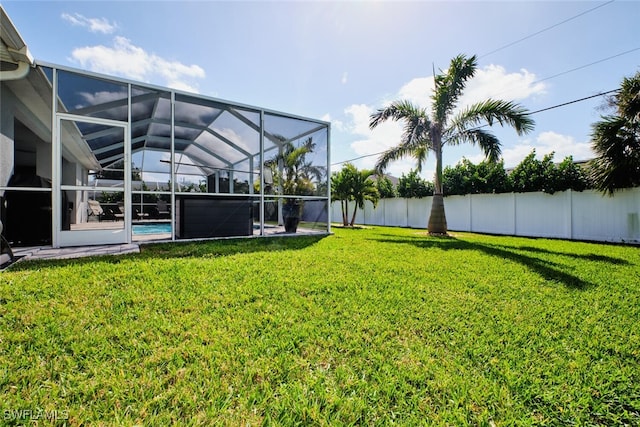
[152,228]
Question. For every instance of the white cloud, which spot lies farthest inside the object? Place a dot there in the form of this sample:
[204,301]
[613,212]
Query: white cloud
[386,135]
[418,91]
[344,79]
[493,81]
[127,60]
[544,143]
[335,124]
[95,25]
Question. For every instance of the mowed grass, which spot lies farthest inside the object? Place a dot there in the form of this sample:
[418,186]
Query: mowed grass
[365,327]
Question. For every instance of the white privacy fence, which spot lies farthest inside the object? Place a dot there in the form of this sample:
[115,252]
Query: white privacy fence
[586,215]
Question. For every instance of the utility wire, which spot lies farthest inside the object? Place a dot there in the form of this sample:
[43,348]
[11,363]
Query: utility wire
[574,101]
[587,65]
[531,113]
[574,69]
[546,29]
[543,79]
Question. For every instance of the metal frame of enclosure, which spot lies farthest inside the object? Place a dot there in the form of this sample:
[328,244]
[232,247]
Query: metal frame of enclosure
[90,159]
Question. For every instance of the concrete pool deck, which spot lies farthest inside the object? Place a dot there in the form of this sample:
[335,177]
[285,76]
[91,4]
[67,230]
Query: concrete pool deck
[50,253]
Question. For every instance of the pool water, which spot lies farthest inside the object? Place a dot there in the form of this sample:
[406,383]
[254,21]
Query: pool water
[155,228]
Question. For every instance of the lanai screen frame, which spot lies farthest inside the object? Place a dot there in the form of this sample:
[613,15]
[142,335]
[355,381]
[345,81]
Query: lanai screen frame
[264,123]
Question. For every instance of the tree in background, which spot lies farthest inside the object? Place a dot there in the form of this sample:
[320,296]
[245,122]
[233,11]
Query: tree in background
[616,141]
[544,175]
[412,186]
[351,184]
[385,187]
[532,174]
[341,189]
[571,176]
[468,178]
[424,132]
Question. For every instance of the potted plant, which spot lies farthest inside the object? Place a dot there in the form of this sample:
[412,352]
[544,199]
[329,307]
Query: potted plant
[293,175]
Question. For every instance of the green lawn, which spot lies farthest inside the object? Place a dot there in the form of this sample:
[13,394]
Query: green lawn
[366,327]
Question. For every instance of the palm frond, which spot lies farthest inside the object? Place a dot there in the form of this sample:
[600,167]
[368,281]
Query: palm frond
[491,111]
[404,149]
[449,86]
[617,146]
[628,98]
[398,110]
[487,141]
[415,138]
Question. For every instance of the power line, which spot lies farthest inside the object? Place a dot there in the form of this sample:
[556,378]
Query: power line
[531,113]
[543,79]
[574,69]
[546,29]
[574,101]
[587,65]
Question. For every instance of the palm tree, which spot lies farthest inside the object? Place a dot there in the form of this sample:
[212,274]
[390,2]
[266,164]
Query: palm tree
[294,176]
[424,132]
[616,141]
[351,184]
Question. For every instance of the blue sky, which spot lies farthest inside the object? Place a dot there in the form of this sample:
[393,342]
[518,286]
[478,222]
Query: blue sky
[340,61]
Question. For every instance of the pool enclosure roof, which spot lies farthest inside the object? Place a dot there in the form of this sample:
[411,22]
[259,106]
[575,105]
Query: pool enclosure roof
[209,134]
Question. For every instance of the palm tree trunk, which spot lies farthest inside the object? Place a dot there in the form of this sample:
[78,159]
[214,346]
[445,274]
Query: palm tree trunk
[353,218]
[344,204]
[437,218]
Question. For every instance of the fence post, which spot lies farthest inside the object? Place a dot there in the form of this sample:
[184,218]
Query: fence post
[470,213]
[515,214]
[570,214]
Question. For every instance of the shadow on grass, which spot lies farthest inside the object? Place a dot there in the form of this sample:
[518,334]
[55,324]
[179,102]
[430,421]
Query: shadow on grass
[548,270]
[586,257]
[175,250]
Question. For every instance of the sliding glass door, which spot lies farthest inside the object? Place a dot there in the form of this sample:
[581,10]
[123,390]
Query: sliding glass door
[92,178]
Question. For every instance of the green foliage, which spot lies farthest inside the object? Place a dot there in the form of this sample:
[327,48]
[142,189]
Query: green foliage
[111,197]
[532,174]
[413,186]
[616,141]
[571,176]
[385,187]
[376,326]
[468,178]
[543,175]
[291,170]
[115,171]
[351,184]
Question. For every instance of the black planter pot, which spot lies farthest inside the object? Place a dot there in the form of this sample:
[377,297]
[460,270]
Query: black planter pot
[291,216]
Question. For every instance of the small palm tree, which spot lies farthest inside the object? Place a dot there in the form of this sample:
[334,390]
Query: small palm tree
[351,184]
[616,141]
[424,132]
[294,175]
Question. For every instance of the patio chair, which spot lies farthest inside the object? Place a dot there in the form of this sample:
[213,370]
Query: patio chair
[163,209]
[96,210]
[120,214]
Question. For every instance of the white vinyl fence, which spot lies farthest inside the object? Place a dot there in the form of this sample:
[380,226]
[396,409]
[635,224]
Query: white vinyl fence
[586,215]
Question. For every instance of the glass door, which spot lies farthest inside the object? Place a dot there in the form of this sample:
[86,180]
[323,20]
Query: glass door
[92,181]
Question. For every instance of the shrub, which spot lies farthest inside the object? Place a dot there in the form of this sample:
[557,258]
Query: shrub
[412,186]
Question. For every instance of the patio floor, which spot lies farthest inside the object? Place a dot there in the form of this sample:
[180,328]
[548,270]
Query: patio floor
[48,252]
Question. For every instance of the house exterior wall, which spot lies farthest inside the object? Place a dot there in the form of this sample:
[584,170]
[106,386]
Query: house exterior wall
[6,135]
